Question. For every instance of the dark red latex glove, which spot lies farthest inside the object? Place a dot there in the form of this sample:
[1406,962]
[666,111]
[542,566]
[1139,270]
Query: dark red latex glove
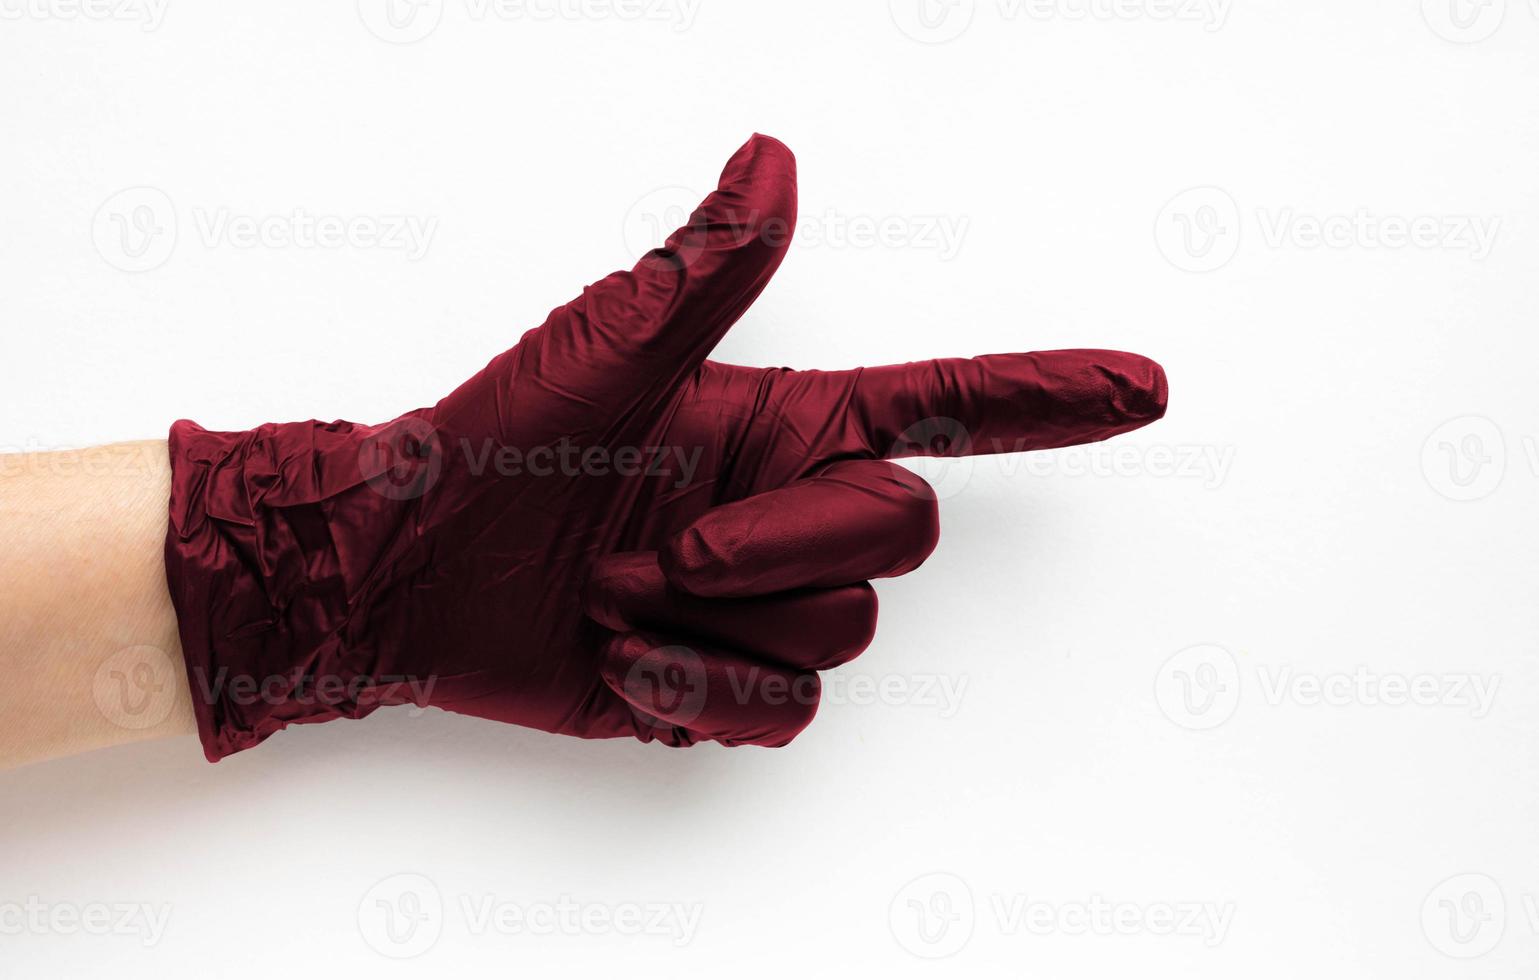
[602,533]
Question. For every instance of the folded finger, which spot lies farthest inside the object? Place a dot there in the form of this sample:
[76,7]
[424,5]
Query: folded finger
[811,629]
[856,520]
[709,692]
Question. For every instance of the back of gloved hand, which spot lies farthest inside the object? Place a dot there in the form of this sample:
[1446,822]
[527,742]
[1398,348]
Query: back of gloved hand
[602,533]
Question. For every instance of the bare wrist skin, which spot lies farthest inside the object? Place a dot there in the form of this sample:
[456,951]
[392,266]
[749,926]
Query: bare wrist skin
[88,638]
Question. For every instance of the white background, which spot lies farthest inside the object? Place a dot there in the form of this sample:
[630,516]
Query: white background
[1299,517]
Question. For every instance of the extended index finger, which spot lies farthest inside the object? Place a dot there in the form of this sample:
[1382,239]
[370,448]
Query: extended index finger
[997,403]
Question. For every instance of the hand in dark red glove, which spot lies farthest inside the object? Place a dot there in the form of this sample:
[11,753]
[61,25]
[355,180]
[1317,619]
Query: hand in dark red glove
[602,533]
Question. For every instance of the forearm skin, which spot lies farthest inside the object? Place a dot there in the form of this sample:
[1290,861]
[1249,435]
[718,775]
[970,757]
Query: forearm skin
[88,638]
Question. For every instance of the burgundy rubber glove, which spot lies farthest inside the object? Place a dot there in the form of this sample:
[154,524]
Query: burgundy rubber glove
[602,533]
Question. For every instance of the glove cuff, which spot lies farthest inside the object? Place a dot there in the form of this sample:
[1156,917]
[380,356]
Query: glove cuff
[269,532]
